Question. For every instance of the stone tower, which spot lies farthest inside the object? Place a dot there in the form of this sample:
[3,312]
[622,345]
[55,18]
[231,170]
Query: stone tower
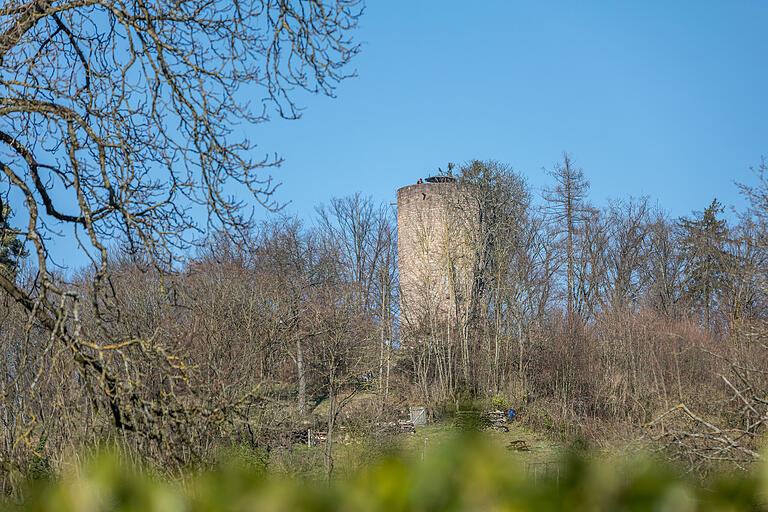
[436,224]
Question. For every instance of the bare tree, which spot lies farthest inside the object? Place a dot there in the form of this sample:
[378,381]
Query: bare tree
[590,264]
[663,267]
[364,237]
[340,338]
[568,210]
[497,241]
[386,290]
[117,123]
[355,225]
[291,265]
[628,223]
[732,433]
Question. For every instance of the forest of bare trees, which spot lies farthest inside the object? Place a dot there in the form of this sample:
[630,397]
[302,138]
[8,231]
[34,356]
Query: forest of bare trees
[179,325]
[613,323]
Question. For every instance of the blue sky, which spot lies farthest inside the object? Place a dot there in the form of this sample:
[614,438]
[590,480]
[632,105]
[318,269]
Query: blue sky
[665,99]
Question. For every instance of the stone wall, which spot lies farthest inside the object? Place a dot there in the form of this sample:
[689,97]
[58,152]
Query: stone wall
[436,223]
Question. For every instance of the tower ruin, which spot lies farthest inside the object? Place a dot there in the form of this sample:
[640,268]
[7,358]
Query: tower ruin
[437,222]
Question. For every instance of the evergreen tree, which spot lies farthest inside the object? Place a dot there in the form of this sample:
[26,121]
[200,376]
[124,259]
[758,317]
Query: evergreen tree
[11,248]
[706,261]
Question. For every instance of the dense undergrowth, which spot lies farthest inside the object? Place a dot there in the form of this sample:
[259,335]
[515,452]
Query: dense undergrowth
[465,474]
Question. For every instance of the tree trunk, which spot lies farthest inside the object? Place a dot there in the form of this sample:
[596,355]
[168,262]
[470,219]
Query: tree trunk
[389,357]
[569,218]
[384,320]
[302,379]
[329,438]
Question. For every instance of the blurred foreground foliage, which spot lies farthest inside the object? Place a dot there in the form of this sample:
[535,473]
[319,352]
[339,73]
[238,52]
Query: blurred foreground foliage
[464,475]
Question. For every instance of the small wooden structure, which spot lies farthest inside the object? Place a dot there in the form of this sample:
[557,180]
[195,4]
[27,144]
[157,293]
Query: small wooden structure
[519,445]
[316,437]
[418,415]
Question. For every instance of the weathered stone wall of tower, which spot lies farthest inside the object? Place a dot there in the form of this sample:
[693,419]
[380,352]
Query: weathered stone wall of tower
[436,224]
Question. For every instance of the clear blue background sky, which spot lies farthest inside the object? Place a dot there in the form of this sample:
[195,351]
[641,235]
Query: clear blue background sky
[665,99]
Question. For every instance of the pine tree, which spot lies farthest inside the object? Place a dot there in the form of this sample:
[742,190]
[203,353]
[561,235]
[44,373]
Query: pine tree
[704,239]
[11,248]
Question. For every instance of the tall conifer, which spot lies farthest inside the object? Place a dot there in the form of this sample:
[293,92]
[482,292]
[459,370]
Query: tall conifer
[704,240]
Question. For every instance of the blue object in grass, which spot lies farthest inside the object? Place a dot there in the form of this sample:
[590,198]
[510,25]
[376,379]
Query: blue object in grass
[511,414]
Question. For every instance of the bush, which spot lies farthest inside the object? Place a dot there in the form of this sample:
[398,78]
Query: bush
[499,403]
[466,475]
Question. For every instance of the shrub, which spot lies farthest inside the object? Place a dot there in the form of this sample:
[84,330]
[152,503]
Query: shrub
[465,475]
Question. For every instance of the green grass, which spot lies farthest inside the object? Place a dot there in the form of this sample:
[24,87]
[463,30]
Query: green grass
[459,473]
[434,436]
[357,454]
